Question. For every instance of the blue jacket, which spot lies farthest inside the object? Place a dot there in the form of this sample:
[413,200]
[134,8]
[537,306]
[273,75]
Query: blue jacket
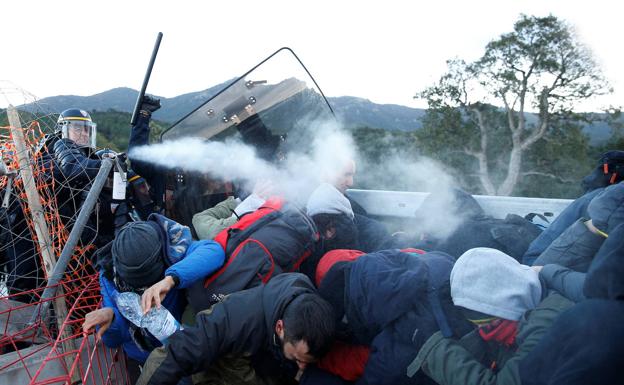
[568,216]
[189,260]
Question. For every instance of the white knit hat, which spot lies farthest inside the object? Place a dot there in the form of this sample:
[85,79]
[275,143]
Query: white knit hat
[326,199]
[491,282]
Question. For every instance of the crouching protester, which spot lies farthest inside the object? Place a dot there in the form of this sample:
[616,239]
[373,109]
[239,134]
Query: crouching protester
[387,304]
[608,171]
[576,246]
[584,346]
[608,215]
[156,258]
[512,311]
[263,335]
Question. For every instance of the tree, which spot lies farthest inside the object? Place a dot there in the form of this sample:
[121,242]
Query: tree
[501,105]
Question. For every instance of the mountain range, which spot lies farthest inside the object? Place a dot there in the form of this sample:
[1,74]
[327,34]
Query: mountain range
[352,111]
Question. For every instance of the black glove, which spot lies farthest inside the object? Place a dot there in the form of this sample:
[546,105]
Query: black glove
[122,156]
[150,104]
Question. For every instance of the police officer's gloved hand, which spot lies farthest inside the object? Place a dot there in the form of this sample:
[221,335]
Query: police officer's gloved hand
[149,105]
[106,153]
[122,157]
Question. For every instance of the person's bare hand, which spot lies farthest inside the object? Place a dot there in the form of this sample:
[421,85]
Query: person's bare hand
[101,317]
[537,268]
[156,293]
[264,188]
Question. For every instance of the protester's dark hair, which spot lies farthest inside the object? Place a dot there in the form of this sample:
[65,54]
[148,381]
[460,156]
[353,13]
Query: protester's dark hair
[310,318]
[346,232]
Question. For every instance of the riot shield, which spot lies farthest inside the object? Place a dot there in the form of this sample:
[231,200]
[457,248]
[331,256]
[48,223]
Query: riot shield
[274,107]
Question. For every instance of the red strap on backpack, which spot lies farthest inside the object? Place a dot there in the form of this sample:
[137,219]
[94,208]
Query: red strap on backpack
[232,257]
[272,204]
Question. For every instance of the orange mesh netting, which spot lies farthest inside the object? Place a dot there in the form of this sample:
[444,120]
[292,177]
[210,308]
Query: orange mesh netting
[51,348]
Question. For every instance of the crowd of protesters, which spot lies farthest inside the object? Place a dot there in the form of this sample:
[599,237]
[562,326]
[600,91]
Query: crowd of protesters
[271,291]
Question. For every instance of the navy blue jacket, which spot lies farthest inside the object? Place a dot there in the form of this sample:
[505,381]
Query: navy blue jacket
[583,347]
[393,302]
[76,167]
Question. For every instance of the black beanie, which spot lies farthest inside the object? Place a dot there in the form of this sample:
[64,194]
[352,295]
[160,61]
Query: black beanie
[137,254]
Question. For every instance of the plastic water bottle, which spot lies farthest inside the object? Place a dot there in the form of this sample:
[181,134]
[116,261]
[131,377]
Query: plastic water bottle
[159,322]
[129,305]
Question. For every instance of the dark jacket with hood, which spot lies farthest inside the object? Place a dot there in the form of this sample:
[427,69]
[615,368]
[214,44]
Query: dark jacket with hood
[393,301]
[242,324]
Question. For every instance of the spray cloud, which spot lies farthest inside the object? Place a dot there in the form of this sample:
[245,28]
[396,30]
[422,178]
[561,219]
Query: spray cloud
[330,149]
[295,177]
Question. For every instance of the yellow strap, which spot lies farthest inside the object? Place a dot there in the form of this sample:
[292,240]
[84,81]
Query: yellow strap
[77,118]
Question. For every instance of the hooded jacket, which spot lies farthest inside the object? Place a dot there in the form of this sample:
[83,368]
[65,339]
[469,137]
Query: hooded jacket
[473,361]
[490,282]
[242,324]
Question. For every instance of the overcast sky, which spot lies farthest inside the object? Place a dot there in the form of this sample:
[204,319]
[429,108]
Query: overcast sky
[384,51]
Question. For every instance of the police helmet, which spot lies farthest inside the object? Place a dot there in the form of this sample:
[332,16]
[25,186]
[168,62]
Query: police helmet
[76,124]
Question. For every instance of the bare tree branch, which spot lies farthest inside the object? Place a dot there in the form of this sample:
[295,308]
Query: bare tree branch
[510,120]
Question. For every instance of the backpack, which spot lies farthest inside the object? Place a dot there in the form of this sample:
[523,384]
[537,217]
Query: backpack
[276,238]
[511,235]
[610,170]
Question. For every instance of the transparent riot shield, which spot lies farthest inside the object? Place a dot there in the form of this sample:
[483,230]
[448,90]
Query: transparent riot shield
[274,107]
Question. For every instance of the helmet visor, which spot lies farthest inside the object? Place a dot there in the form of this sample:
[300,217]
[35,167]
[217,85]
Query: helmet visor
[82,132]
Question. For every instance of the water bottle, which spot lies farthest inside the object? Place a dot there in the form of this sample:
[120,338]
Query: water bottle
[159,322]
[129,305]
